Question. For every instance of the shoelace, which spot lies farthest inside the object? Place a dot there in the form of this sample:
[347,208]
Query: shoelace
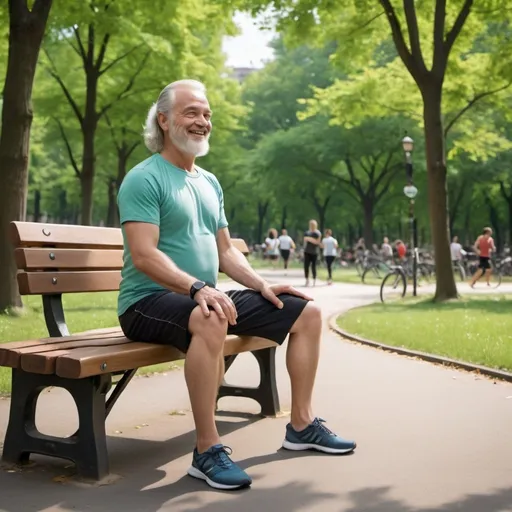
[221,456]
[320,424]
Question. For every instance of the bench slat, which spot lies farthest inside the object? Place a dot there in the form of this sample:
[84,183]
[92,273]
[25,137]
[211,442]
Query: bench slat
[21,357]
[77,259]
[36,234]
[86,362]
[47,283]
[10,353]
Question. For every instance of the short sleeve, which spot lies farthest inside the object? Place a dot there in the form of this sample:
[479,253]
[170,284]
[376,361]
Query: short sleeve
[223,222]
[139,198]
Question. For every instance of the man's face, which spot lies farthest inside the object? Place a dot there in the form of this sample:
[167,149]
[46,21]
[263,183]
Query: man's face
[386,240]
[189,123]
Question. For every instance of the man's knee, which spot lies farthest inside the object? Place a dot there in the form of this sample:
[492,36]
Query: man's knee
[309,319]
[212,329]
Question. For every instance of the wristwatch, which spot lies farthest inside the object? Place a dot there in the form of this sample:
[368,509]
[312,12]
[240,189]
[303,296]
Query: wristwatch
[198,285]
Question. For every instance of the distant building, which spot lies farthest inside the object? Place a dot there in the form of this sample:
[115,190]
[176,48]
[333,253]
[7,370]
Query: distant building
[241,74]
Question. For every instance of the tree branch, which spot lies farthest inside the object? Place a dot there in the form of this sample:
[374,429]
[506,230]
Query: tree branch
[366,23]
[414,34]
[353,180]
[131,149]
[80,45]
[398,37]
[385,187]
[65,90]
[103,50]
[68,147]
[457,27]
[112,132]
[507,197]
[118,59]
[471,102]
[440,59]
[128,86]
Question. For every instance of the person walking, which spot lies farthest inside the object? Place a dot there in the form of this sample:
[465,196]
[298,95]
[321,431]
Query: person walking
[286,244]
[312,240]
[329,245]
[484,246]
[176,238]
[386,251]
[272,246]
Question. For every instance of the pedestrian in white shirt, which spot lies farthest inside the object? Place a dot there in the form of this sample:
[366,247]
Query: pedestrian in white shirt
[272,246]
[286,244]
[456,249]
[330,246]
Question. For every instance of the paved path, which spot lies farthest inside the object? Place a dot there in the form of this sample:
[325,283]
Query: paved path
[429,439]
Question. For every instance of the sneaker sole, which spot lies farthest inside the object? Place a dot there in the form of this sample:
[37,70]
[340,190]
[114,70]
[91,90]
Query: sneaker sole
[194,472]
[301,447]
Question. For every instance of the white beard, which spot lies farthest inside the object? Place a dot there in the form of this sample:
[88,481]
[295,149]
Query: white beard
[183,142]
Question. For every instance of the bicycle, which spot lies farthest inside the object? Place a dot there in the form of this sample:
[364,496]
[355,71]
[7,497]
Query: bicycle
[394,284]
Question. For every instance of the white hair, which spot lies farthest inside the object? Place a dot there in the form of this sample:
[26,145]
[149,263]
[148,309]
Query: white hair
[153,133]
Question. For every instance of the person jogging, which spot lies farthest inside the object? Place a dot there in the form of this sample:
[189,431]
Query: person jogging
[329,245]
[286,244]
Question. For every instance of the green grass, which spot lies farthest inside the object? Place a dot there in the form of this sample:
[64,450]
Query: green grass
[83,311]
[477,329]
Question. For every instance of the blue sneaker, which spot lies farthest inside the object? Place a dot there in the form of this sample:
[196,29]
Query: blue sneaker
[316,436]
[219,471]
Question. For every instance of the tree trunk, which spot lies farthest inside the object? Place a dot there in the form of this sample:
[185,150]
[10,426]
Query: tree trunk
[112,206]
[37,205]
[87,174]
[284,216]
[26,30]
[437,192]
[368,222]
[510,221]
[262,212]
[63,206]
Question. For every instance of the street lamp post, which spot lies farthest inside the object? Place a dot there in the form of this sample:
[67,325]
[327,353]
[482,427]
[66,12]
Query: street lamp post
[411,191]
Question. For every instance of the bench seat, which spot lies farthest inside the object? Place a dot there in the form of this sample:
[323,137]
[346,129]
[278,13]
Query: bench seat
[102,351]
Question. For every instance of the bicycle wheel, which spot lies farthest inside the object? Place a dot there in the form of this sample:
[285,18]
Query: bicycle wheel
[371,275]
[393,287]
[496,278]
[459,270]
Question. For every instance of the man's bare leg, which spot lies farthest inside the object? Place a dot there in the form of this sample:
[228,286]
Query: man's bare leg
[202,373]
[488,273]
[476,277]
[302,362]
[306,432]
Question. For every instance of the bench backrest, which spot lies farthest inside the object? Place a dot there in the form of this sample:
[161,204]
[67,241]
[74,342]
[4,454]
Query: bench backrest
[59,258]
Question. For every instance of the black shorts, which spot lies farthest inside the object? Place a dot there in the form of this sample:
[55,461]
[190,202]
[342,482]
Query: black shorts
[285,254]
[485,263]
[163,317]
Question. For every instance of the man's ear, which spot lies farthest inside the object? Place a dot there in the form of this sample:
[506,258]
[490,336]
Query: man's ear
[163,121]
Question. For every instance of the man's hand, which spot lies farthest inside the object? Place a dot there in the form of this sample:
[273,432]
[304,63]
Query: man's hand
[271,292]
[219,301]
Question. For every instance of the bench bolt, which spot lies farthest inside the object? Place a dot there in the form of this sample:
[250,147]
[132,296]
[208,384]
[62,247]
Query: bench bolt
[103,366]
[54,280]
[52,256]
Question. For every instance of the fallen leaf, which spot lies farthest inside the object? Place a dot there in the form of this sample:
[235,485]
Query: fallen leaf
[60,479]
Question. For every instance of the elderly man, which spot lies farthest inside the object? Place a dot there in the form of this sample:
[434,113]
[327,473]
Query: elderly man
[175,237]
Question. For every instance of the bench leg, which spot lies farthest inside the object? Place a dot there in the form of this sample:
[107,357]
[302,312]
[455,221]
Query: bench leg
[87,448]
[266,393]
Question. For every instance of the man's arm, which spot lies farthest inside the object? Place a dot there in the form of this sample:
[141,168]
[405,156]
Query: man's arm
[477,245]
[235,265]
[142,238]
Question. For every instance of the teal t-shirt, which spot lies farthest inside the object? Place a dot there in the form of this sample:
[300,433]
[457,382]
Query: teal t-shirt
[188,208]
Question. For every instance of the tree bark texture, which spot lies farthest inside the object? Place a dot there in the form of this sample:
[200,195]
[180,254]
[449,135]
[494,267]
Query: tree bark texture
[368,205]
[26,30]
[437,192]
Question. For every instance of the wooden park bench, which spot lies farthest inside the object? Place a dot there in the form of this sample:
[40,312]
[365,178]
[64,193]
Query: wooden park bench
[54,259]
